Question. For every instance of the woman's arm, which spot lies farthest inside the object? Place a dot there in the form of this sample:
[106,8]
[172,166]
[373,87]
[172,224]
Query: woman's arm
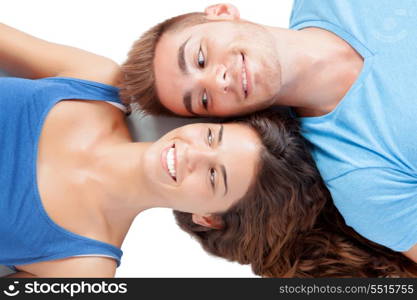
[20,275]
[26,56]
[87,266]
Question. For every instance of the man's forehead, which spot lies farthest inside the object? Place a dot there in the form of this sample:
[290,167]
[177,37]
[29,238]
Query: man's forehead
[185,31]
[170,81]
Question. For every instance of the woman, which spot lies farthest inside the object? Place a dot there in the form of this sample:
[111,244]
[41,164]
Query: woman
[73,180]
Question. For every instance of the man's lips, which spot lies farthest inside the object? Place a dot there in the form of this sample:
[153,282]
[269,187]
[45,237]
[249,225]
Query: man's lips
[244,76]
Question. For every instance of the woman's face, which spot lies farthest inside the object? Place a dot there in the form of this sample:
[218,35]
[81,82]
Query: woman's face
[203,168]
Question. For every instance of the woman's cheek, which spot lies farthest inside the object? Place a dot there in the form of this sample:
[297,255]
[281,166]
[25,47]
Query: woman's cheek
[194,187]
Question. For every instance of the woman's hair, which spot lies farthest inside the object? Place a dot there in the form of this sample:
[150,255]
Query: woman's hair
[286,225]
[138,77]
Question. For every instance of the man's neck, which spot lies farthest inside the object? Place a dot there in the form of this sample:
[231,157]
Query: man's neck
[317,68]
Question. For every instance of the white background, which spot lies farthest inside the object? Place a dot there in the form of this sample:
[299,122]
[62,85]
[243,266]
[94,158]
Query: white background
[154,246]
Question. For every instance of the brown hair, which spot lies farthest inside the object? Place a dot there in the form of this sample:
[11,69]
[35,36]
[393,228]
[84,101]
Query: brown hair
[286,225]
[138,78]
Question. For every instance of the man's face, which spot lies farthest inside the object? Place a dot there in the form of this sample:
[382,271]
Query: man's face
[219,68]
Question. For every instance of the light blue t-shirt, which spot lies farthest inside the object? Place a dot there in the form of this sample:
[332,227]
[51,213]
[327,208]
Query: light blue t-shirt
[366,148]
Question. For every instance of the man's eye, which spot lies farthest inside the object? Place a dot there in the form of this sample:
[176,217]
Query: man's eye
[210,137]
[204,100]
[201,60]
[212,176]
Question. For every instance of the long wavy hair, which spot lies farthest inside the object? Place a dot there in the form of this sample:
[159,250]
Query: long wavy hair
[286,225]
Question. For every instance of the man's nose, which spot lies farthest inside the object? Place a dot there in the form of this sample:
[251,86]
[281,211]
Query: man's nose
[220,79]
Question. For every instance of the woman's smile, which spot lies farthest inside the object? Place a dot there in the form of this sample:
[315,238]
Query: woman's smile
[169,161]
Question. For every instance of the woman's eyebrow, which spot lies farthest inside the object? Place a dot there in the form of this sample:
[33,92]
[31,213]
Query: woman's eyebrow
[224,179]
[220,134]
[222,168]
[186,100]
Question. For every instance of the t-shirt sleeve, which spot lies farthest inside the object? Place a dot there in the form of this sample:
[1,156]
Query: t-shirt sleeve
[380,204]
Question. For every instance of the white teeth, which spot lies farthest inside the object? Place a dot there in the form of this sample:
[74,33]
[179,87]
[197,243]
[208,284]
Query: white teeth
[244,80]
[171,162]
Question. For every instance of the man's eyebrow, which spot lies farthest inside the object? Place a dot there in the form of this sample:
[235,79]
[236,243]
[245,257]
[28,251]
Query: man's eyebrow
[186,99]
[181,57]
[224,173]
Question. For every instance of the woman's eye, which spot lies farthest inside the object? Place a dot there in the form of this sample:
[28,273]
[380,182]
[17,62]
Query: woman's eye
[204,100]
[212,176]
[201,60]
[210,137]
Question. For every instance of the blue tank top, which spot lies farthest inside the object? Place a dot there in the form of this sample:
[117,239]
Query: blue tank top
[27,234]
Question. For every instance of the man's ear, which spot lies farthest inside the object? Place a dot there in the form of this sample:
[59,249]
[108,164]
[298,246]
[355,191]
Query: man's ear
[222,11]
[209,221]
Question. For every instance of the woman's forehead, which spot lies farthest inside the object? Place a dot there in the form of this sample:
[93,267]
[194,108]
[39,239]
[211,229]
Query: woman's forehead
[241,156]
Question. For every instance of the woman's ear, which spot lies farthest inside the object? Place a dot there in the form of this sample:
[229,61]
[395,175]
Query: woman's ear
[209,221]
[222,11]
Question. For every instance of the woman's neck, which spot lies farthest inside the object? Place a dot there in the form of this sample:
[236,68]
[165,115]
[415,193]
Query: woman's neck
[120,176]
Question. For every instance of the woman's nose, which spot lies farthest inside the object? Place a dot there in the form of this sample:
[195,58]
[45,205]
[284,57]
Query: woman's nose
[198,156]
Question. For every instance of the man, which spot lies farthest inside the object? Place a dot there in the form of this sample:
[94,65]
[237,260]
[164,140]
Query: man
[346,68]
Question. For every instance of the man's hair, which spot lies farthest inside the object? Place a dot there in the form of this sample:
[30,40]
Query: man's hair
[138,76]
